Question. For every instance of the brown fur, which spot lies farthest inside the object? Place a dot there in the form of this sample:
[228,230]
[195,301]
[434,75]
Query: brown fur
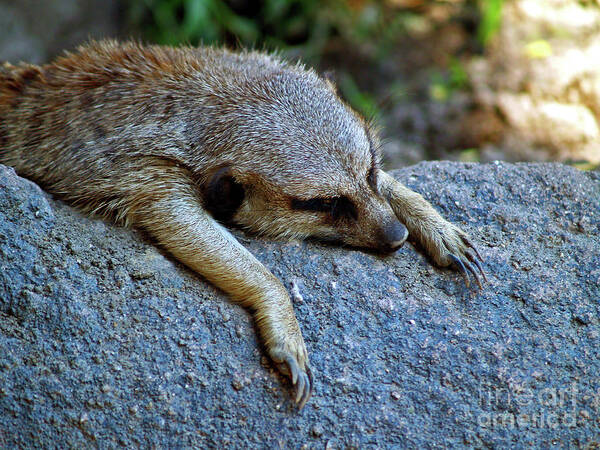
[167,139]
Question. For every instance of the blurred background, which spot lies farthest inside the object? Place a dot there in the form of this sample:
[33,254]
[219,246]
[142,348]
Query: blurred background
[469,80]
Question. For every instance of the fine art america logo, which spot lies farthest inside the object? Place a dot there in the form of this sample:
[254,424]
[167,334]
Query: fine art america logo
[550,407]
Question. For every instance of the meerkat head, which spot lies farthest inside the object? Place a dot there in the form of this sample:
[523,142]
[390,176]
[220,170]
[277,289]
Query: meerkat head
[297,162]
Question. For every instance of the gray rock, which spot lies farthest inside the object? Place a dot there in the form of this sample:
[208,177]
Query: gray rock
[105,341]
[36,31]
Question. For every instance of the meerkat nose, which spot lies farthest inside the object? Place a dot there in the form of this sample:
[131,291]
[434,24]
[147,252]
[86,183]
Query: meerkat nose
[394,234]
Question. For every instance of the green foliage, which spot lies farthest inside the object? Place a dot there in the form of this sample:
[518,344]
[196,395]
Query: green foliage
[294,22]
[491,16]
[442,85]
[309,24]
[361,101]
[469,155]
[272,23]
[191,21]
[585,165]
[538,49]
[458,74]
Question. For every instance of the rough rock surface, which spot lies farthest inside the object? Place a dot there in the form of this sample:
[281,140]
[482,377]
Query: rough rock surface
[105,341]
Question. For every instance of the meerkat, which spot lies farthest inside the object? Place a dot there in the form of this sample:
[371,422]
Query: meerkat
[181,141]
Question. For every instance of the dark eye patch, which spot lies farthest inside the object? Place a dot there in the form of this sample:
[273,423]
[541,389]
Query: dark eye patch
[313,204]
[337,207]
[343,207]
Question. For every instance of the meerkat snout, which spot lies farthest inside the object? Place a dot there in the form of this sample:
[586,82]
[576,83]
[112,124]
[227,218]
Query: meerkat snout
[393,236]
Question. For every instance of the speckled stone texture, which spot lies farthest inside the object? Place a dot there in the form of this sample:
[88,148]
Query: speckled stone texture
[105,341]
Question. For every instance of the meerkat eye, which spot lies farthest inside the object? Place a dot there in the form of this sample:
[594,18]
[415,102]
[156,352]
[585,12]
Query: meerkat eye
[313,204]
[343,207]
[337,207]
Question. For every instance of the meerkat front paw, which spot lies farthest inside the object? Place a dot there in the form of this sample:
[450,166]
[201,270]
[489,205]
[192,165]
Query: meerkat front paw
[292,360]
[447,245]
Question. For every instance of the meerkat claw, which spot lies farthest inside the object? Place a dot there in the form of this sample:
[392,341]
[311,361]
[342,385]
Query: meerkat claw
[302,379]
[473,272]
[465,266]
[477,261]
[473,255]
[461,268]
[300,387]
[470,244]
[303,388]
[293,368]
[308,388]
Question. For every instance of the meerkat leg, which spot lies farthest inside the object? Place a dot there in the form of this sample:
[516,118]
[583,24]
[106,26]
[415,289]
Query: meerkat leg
[443,241]
[175,218]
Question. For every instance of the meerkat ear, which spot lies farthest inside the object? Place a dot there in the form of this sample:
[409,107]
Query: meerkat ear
[222,195]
